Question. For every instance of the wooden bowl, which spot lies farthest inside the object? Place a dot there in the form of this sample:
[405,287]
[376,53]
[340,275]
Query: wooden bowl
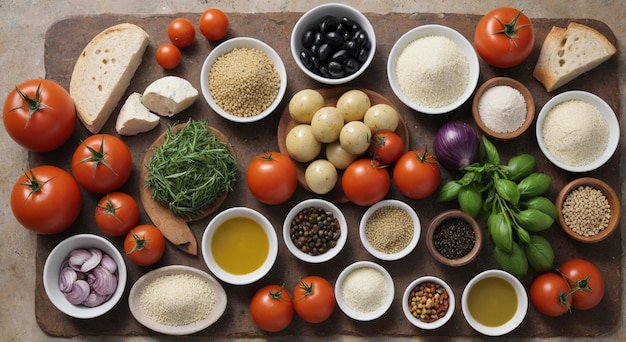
[437,221]
[610,195]
[504,81]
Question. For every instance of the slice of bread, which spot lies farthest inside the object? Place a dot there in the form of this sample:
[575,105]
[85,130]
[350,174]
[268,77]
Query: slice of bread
[169,95]
[568,53]
[103,72]
[134,117]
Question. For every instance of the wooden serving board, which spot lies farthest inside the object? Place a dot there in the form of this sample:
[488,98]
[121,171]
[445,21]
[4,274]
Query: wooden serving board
[251,139]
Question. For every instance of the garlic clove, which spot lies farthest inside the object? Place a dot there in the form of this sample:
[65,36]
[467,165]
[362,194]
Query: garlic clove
[66,279]
[78,294]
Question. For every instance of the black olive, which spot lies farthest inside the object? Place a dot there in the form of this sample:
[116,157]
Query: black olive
[323,71]
[362,55]
[329,23]
[363,39]
[352,47]
[314,49]
[308,38]
[335,70]
[316,62]
[347,36]
[340,56]
[341,31]
[323,53]
[351,66]
[350,25]
[306,59]
[334,39]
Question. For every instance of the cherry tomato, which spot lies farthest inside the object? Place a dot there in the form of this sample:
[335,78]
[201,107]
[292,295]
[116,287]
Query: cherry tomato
[181,32]
[168,56]
[386,147]
[271,308]
[416,174]
[504,37]
[549,293]
[272,177]
[102,163]
[365,182]
[116,213]
[39,115]
[144,245]
[46,200]
[586,282]
[314,299]
[214,24]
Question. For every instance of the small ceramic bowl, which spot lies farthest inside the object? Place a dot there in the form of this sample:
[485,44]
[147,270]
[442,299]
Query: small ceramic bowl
[607,113]
[312,18]
[54,264]
[329,207]
[391,222]
[425,31]
[406,303]
[228,46]
[517,317]
[134,300]
[613,201]
[208,248]
[528,99]
[354,278]
[449,215]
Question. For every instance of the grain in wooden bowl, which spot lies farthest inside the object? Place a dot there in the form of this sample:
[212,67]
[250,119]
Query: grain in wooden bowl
[454,238]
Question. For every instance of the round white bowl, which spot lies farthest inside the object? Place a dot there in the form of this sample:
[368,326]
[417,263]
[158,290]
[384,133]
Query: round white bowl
[331,253]
[52,269]
[433,30]
[237,279]
[312,18]
[228,46]
[514,322]
[348,310]
[407,309]
[416,230]
[605,110]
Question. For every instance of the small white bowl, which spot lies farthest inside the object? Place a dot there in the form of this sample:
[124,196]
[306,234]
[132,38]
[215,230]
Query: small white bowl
[605,110]
[219,272]
[416,230]
[228,46]
[331,253]
[52,269]
[353,313]
[518,317]
[433,30]
[406,308]
[312,18]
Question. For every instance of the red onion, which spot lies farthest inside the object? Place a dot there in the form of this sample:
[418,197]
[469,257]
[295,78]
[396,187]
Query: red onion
[88,277]
[456,145]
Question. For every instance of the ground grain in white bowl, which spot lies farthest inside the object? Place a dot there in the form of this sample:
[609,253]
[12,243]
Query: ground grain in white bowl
[364,289]
[502,109]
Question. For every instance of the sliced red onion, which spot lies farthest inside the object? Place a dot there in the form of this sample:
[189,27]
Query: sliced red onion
[88,277]
[80,292]
[108,263]
[104,282]
[93,261]
[78,258]
[94,299]
[66,279]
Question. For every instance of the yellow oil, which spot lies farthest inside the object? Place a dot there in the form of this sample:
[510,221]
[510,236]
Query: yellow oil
[240,245]
[492,301]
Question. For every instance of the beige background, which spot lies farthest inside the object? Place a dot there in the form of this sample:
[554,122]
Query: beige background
[23,26]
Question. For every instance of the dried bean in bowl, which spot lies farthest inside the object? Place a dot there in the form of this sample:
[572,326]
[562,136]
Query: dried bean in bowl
[314,231]
[429,301]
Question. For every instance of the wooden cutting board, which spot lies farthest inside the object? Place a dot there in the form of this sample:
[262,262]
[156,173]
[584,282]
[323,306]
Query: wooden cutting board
[65,40]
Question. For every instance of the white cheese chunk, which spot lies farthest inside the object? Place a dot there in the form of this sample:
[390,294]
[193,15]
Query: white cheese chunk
[169,95]
[134,117]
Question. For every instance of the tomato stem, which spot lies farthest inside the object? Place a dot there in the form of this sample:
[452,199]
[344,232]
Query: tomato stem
[32,104]
[109,209]
[510,29]
[98,157]
[140,243]
[33,183]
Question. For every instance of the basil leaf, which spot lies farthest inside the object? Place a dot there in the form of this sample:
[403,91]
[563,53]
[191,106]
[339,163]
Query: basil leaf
[539,253]
[507,190]
[500,230]
[534,220]
[520,166]
[514,262]
[490,151]
[449,191]
[523,235]
[543,204]
[533,185]
[470,200]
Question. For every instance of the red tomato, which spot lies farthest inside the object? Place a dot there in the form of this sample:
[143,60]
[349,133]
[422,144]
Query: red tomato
[46,200]
[504,37]
[116,213]
[272,177]
[314,299]
[271,308]
[416,174]
[39,115]
[214,24]
[168,56]
[549,293]
[365,182]
[102,163]
[386,147]
[586,282]
[144,245]
[181,32]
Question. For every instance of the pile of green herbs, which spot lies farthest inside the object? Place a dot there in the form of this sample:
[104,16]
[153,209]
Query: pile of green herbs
[191,169]
[510,199]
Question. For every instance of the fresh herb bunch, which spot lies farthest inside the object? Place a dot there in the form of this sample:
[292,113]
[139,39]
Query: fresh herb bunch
[191,169]
[510,199]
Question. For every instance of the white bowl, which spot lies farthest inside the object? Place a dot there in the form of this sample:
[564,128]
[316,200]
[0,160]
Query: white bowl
[433,30]
[228,46]
[406,308]
[312,18]
[218,271]
[605,110]
[52,269]
[353,313]
[413,242]
[134,300]
[331,253]
[518,317]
